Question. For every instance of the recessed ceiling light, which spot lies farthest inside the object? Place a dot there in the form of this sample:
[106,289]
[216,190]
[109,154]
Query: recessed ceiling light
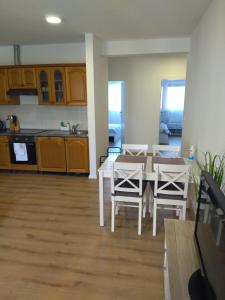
[53,19]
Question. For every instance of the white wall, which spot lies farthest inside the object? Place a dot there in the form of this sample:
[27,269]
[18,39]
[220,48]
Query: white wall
[97,79]
[204,119]
[143,76]
[46,117]
[6,55]
[101,101]
[33,115]
[146,46]
[53,53]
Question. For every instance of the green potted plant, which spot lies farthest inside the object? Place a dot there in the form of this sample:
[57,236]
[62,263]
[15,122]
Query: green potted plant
[215,165]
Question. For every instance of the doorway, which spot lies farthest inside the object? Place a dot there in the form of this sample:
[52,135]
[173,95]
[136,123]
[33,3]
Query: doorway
[116,108]
[171,112]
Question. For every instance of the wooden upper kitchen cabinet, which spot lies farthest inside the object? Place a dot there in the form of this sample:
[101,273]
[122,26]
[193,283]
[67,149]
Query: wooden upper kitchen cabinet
[61,84]
[4,99]
[44,85]
[51,85]
[4,153]
[22,77]
[76,85]
[58,81]
[51,154]
[77,154]
[29,77]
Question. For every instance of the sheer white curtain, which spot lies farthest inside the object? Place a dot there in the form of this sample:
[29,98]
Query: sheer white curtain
[172,104]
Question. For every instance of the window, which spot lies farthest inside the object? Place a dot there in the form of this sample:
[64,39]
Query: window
[173,94]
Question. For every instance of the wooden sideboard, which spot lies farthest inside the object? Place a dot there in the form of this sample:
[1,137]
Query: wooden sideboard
[180,258]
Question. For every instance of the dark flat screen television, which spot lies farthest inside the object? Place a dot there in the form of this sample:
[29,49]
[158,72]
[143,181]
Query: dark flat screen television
[208,283]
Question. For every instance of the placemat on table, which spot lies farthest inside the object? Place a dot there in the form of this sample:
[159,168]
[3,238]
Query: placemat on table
[168,160]
[132,159]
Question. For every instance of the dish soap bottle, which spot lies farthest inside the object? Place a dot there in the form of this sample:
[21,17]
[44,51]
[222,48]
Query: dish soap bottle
[191,155]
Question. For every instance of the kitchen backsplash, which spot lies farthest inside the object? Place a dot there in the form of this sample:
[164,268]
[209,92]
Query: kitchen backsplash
[32,115]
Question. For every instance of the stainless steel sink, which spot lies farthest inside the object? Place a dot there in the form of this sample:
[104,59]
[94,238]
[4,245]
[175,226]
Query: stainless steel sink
[80,132]
[65,133]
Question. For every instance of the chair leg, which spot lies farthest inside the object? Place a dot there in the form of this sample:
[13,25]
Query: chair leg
[177,211]
[144,211]
[144,206]
[150,201]
[113,216]
[139,217]
[184,211]
[147,196]
[154,217]
[180,214]
[117,208]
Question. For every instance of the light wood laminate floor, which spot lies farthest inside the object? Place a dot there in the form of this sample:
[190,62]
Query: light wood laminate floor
[51,247]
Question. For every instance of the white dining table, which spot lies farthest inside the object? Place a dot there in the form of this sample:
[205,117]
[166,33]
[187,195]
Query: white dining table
[105,171]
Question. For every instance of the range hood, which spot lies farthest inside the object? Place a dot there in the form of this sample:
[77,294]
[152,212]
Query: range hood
[20,91]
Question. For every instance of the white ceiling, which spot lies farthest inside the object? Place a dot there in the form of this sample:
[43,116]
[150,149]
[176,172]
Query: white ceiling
[23,21]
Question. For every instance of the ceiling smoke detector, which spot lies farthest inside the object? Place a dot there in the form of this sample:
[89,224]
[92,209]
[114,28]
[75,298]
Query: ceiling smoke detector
[53,19]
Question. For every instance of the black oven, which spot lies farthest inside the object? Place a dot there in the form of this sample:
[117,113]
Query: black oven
[28,148]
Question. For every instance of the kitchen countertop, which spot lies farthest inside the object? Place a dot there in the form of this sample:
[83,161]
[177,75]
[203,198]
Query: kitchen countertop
[53,133]
[7,133]
[62,133]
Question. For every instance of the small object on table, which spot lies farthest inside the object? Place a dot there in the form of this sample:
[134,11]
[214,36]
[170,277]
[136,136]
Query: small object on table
[191,152]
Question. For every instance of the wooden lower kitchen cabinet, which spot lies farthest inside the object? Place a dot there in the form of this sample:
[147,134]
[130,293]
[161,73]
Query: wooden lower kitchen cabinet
[77,154]
[51,154]
[4,153]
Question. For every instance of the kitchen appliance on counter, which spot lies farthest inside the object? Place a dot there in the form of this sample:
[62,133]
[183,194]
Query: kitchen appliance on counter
[2,126]
[23,148]
[14,124]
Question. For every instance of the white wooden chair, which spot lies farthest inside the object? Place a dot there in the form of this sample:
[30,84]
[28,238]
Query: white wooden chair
[170,190]
[161,149]
[134,149]
[128,189]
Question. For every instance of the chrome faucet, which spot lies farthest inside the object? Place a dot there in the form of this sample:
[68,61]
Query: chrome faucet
[68,123]
[74,128]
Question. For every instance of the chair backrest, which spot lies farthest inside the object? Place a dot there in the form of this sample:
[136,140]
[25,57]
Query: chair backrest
[134,149]
[171,179]
[114,150]
[127,177]
[158,149]
[110,151]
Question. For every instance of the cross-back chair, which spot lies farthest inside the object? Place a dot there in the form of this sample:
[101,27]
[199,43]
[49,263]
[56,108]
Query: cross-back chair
[110,151]
[128,190]
[160,150]
[134,149]
[170,190]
